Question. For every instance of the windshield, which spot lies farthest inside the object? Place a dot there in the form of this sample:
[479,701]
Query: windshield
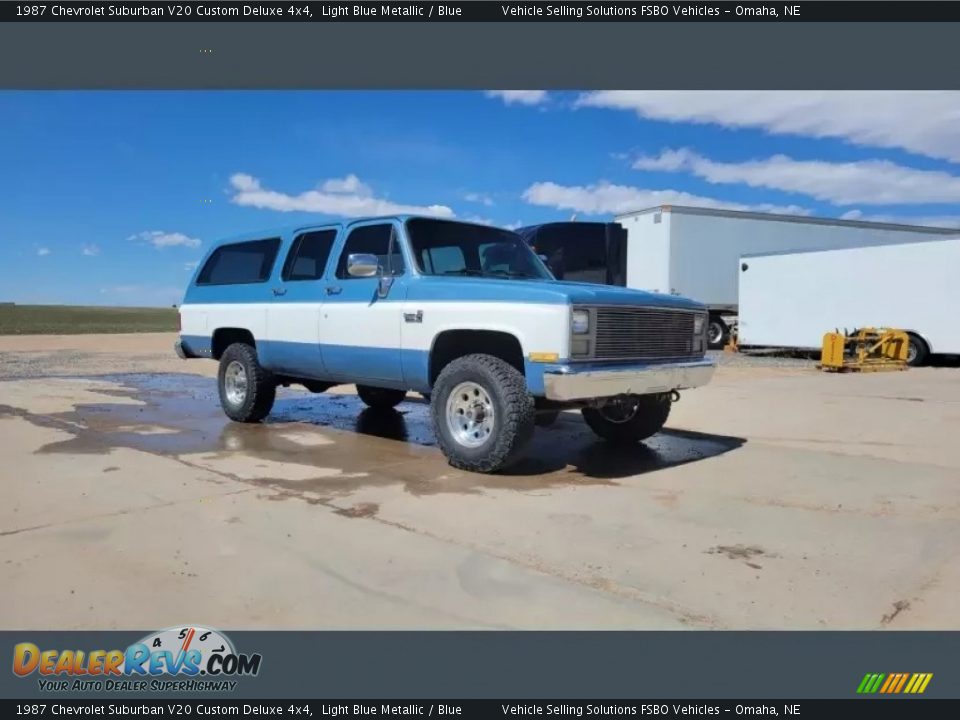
[445,247]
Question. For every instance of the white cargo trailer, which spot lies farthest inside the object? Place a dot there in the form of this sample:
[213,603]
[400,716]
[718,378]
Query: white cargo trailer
[695,251]
[791,299]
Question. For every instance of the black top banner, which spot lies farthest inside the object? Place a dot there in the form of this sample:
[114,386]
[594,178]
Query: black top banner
[482,11]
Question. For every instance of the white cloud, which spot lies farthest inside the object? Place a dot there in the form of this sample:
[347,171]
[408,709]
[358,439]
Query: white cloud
[479,198]
[43,252]
[191,265]
[944,221]
[520,97]
[870,182]
[91,250]
[923,122]
[349,184]
[603,198]
[514,225]
[161,239]
[345,197]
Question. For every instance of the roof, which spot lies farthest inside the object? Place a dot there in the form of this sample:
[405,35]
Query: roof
[803,219]
[287,230]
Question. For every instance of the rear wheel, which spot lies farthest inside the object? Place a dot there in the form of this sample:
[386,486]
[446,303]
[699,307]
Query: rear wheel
[918,352]
[247,390]
[380,398]
[482,414]
[629,420]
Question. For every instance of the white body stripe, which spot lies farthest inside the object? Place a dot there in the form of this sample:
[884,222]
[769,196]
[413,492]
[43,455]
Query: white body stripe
[538,327]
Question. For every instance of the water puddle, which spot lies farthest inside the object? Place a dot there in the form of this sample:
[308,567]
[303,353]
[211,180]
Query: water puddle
[316,446]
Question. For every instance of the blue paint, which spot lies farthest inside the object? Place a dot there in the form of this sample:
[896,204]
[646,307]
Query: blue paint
[197,345]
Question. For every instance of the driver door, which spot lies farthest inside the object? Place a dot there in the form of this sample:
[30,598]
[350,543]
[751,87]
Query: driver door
[360,330]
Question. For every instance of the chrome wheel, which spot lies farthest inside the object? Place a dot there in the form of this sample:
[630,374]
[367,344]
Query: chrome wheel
[620,411]
[235,383]
[470,414]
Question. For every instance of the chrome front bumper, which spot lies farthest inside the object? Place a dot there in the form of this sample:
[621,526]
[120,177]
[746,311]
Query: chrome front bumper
[566,382]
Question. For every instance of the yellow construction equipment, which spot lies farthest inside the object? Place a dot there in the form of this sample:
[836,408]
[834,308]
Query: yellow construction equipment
[864,350]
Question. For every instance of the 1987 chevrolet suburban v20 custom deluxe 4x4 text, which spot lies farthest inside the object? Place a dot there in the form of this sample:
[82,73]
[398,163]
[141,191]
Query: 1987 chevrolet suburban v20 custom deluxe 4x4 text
[465,314]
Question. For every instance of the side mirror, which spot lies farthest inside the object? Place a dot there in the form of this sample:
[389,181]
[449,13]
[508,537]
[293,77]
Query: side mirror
[362,265]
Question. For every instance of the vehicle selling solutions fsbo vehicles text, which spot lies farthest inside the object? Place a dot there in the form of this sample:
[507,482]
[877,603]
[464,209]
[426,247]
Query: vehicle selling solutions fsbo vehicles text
[608,10]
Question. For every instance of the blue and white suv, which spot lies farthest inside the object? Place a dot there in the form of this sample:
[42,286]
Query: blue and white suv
[465,314]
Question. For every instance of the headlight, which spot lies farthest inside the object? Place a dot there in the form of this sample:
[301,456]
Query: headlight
[698,323]
[580,322]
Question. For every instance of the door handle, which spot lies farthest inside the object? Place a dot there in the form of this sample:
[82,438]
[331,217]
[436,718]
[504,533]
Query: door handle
[279,291]
[334,289]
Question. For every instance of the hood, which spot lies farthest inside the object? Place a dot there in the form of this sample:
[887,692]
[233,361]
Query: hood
[543,291]
[594,294]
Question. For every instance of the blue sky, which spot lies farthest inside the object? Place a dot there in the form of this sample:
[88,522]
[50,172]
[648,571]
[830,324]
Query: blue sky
[110,197]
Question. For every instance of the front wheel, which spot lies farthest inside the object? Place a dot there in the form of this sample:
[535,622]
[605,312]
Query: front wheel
[482,414]
[380,398]
[247,391]
[629,420]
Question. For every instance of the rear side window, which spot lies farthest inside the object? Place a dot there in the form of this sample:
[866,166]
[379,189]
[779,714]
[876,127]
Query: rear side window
[308,255]
[372,240]
[240,263]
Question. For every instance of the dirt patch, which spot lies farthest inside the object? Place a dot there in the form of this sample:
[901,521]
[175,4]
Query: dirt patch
[360,510]
[747,553]
[898,607]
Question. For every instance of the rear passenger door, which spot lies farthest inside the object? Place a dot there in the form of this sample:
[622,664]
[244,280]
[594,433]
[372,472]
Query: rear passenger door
[295,311]
[360,332]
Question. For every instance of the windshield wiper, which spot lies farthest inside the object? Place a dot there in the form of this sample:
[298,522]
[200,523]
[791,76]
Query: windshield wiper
[465,271]
[510,273]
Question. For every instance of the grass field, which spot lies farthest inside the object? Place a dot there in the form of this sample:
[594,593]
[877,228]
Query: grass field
[77,319]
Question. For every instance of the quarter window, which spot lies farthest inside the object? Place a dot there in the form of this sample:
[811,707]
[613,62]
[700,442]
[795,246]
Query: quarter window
[371,240]
[308,255]
[240,263]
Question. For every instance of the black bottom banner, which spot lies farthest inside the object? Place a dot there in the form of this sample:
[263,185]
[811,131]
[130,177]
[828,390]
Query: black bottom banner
[865,707]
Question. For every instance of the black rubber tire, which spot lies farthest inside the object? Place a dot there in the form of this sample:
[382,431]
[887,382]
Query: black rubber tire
[546,419]
[717,328]
[513,408]
[650,417]
[261,386]
[920,351]
[380,398]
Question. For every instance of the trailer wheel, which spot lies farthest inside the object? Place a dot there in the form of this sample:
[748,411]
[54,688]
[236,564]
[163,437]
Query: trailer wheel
[718,333]
[918,352]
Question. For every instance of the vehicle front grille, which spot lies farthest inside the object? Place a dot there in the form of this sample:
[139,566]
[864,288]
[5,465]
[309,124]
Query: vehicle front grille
[636,333]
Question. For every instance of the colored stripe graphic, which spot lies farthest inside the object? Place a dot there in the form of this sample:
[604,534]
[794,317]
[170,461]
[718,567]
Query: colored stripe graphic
[894,683]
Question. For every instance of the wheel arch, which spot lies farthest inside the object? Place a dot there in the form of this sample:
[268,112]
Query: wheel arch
[448,345]
[224,337]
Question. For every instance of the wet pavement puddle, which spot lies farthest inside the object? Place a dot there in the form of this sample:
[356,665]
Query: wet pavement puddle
[317,446]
